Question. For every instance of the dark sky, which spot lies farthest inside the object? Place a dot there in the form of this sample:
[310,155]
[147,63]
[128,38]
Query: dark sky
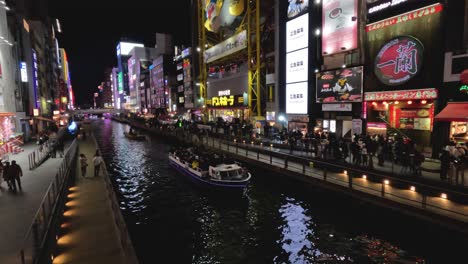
[91,30]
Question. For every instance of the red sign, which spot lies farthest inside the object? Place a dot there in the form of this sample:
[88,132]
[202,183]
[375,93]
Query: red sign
[399,60]
[418,13]
[339,26]
[430,93]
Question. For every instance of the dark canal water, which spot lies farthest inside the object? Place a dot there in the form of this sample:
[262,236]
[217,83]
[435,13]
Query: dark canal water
[277,221]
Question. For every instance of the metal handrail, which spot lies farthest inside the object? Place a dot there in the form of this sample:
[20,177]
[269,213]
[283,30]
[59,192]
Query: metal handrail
[120,223]
[47,209]
[39,155]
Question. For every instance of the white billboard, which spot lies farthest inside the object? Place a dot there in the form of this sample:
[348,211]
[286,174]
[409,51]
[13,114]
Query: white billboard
[297,66]
[124,48]
[297,33]
[227,47]
[339,26]
[24,72]
[296,98]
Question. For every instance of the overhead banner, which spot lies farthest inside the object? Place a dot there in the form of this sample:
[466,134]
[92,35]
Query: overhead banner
[379,7]
[420,94]
[229,46]
[339,26]
[296,8]
[296,98]
[297,33]
[337,107]
[342,85]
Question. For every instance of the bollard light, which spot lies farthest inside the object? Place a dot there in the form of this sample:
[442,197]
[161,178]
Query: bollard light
[412,188]
[386,182]
[364,177]
[345,172]
[443,195]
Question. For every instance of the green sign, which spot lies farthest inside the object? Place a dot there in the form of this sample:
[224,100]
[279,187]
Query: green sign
[464,88]
[120,82]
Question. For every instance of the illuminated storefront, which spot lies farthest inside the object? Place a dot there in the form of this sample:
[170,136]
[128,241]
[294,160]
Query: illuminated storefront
[402,80]
[227,107]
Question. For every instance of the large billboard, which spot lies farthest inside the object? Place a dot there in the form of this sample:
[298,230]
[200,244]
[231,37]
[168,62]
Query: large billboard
[340,86]
[297,66]
[404,51]
[124,48]
[297,33]
[296,98]
[227,47]
[297,7]
[339,26]
[223,14]
[380,8]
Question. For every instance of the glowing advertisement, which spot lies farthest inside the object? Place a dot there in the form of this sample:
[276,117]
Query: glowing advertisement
[377,6]
[124,48]
[222,14]
[399,60]
[343,85]
[297,33]
[339,26]
[120,82]
[297,7]
[24,72]
[229,46]
[296,98]
[35,78]
[297,66]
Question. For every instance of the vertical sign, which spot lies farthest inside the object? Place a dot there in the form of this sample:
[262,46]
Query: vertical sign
[35,80]
[24,72]
[339,26]
[120,82]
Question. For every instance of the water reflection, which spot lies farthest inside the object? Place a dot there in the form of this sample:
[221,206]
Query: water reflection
[273,223]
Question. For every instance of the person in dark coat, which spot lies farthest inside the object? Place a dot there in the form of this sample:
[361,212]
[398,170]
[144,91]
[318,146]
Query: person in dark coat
[444,163]
[5,174]
[14,173]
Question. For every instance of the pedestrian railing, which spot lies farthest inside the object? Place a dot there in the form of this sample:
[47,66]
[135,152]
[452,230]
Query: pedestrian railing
[124,237]
[433,199]
[49,210]
[41,153]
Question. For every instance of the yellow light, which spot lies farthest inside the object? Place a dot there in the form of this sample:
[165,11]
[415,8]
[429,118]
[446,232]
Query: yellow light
[410,102]
[364,177]
[396,102]
[386,182]
[73,188]
[345,172]
[412,188]
[443,195]
[423,102]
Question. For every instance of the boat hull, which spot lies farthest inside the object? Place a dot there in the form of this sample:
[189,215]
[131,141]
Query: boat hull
[232,186]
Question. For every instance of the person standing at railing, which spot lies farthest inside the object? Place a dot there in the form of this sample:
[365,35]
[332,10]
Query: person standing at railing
[6,175]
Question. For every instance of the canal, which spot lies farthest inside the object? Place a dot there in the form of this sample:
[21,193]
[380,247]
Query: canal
[277,220]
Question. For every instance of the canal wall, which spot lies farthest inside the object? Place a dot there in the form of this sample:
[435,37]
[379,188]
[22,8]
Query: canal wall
[398,195]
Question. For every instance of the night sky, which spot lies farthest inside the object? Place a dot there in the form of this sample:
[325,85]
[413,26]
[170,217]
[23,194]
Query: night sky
[90,33]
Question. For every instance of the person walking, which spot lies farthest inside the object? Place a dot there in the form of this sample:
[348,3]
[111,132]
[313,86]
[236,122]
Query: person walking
[15,172]
[97,162]
[5,175]
[83,164]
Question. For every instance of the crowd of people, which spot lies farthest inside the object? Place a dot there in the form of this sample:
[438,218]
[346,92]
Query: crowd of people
[359,150]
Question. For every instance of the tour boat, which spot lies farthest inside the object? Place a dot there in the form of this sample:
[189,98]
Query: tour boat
[135,136]
[210,169]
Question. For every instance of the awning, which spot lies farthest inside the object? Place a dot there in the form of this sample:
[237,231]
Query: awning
[454,111]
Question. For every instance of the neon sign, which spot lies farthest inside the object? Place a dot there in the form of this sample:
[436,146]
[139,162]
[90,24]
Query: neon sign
[399,60]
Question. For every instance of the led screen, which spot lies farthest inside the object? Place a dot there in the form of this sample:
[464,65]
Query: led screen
[297,33]
[297,66]
[296,98]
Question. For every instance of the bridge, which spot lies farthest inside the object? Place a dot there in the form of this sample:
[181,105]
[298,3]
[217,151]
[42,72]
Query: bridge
[98,111]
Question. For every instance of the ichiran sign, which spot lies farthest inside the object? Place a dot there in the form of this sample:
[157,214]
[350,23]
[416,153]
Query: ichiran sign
[399,60]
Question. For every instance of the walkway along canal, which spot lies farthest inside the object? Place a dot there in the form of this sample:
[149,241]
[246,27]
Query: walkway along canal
[277,221]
